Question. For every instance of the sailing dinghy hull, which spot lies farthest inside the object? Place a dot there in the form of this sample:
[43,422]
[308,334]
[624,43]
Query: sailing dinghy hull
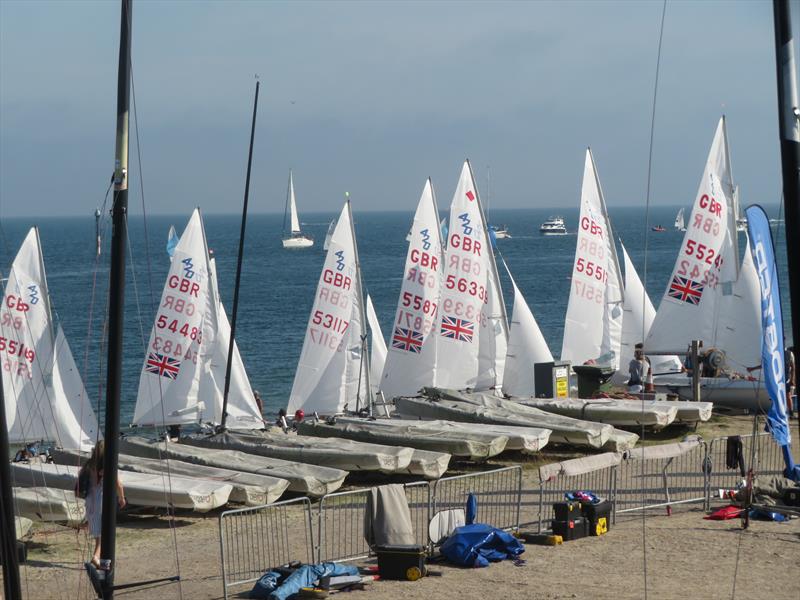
[312,480]
[248,488]
[141,489]
[481,408]
[619,413]
[329,452]
[720,391]
[49,504]
[472,446]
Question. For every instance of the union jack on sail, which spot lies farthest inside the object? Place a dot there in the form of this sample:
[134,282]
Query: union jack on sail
[407,339]
[457,329]
[685,290]
[158,364]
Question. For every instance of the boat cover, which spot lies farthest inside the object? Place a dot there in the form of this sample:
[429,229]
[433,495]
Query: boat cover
[248,488]
[427,464]
[199,495]
[472,445]
[49,504]
[487,408]
[330,452]
[22,526]
[622,413]
[304,479]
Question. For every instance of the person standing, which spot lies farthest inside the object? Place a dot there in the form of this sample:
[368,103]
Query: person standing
[90,487]
[638,369]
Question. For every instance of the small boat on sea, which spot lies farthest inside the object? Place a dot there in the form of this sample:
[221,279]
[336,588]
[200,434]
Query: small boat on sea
[295,238]
[553,226]
[658,228]
[500,232]
[680,224]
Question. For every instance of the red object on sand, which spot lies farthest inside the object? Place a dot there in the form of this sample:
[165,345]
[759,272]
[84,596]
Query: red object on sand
[725,513]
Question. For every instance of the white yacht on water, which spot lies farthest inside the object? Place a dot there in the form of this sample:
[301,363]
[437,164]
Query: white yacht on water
[296,238]
[553,226]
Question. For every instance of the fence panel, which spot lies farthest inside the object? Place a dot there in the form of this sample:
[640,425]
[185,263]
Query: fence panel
[255,539]
[341,521]
[661,476]
[595,473]
[498,492]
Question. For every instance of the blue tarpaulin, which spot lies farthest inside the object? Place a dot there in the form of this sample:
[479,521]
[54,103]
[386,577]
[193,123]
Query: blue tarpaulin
[477,545]
[271,587]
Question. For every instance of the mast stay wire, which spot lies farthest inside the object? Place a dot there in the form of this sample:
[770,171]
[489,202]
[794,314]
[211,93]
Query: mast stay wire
[644,284]
[149,270]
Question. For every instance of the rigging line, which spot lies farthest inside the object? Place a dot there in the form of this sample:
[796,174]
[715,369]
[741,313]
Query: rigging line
[646,248]
[149,270]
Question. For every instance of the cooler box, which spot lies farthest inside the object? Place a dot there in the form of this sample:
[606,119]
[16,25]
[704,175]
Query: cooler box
[571,529]
[565,511]
[592,379]
[598,517]
[401,562]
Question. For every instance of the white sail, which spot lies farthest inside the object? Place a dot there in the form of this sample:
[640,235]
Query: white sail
[707,264]
[44,395]
[494,333]
[242,411]
[328,235]
[466,291]
[324,379]
[593,327]
[295,221]
[177,351]
[680,224]
[526,347]
[639,315]
[739,330]
[411,357]
[377,357]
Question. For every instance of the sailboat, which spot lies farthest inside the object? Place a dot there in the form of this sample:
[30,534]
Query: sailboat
[44,395]
[333,368]
[711,295]
[183,375]
[411,356]
[295,239]
[329,234]
[593,326]
[679,221]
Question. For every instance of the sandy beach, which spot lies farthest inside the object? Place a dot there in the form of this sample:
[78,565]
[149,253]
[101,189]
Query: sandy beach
[679,556]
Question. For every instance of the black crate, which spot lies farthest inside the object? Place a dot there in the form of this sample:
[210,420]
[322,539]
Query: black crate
[401,562]
[598,517]
[565,511]
[791,497]
[570,529]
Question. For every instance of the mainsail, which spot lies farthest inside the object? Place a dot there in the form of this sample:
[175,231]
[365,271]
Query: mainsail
[411,358]
[593,327]
[327,376]
[294,220]
[377,356]
[526,347]
[471,329]
[636,322]
[708,263]
[44,394]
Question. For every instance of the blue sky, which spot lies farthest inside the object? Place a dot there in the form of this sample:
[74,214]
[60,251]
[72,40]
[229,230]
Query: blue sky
[374,97]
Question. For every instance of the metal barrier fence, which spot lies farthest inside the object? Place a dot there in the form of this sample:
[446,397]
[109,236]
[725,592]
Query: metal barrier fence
[662,476]
[499,494]
[595,473]
[255,539]
[341,521]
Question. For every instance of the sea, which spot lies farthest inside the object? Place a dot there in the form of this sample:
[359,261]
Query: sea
[278,286]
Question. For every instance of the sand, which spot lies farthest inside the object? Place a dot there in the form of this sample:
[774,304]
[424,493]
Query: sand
[686,557]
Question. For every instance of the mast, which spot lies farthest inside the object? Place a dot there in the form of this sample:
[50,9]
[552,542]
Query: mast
[789,128]
[239,266]
[116,303]
[8,549]
[364,365]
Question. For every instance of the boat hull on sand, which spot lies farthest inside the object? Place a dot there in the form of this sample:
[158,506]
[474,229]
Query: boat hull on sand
[248,488]
[312,480]
[329,452]
[720,391]
[49,504]
[486,408]
[141,489]
[619,413]
[472,446]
